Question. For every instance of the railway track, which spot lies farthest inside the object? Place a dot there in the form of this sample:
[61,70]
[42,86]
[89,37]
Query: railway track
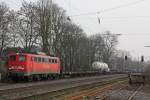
[117,86]
[124,92]
[32,90]
[7,86]
[131,97]
[98,92]
[59,95]
[4,84]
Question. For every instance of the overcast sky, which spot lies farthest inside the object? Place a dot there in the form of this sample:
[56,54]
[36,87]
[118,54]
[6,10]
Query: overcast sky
[131,18]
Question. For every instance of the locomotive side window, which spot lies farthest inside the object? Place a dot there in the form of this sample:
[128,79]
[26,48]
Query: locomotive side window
[56,61]
[32,58]
[21,58]
[12,58]
[50,60]
[42,59]
[35,59]
[46,60]
[53,61]
[39,59]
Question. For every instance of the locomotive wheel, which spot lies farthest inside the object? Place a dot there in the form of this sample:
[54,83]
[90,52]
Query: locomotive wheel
[50,77]
[14,79]
[29,78]
[56,76]
[37,78]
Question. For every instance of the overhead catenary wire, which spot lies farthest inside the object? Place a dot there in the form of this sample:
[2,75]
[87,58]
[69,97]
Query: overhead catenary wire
[118,18]
[74,8]
[126,17]
[115,17]
[113,8]
[109,9]
[122,6]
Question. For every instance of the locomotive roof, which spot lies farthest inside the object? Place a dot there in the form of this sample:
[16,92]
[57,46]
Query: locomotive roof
[37,55]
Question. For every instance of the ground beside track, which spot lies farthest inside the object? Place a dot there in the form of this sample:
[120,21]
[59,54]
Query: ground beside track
[53,88]
[8,86]
[115,90]
[131,92]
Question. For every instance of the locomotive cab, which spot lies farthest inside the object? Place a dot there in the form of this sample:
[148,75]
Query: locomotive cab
[16,65]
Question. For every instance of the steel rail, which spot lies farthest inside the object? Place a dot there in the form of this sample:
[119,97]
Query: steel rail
[135,92]
[95,91]
[21,85]
[45,88]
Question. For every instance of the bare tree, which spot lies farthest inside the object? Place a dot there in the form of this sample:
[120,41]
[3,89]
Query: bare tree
[28,29]
[51,20]
[103,47]
[5,20]
[97,45]
[110,42]
[43,13]
[13,29]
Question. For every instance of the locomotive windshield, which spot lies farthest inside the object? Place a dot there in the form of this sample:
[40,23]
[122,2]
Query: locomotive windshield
[21,58]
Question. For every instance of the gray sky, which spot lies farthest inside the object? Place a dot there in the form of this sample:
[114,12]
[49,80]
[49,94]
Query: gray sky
[131,19]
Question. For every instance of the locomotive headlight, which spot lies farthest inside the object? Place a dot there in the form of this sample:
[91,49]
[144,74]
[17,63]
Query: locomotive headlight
[21,67]
[11,67]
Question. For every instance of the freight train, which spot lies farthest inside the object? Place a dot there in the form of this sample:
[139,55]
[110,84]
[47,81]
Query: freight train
[35,67]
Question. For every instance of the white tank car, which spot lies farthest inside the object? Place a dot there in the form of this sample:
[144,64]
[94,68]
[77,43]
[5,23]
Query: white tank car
[103,67]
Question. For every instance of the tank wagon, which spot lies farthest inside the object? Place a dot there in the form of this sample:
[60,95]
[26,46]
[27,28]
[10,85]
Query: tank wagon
[100,66]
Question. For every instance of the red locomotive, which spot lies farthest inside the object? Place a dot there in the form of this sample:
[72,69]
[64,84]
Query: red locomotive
[29,66]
